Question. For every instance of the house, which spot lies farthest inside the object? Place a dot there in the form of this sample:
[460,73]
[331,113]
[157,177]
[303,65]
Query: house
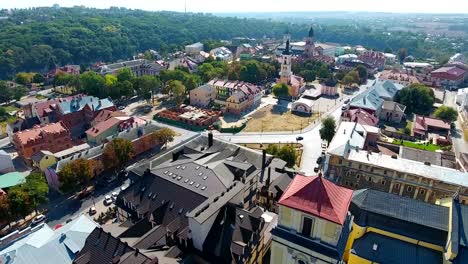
[11,179]
[422,67]
[458,57]
[102,247]
[194,49]
[424,125]
[303,106]
[113,125]
[357,167]
[140,136]
[375,59]
[392,112]
[386,90]
[369,101]
[105,114]
[6,162]
[203,96]
[359,116]
[42,244]
[314,222]
[139,67]
[53,137]
[45,159]
[450,77]
[237,97]
[222,53]
[200,197]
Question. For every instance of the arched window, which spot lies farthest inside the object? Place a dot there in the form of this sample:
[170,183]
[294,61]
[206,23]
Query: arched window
[301,262]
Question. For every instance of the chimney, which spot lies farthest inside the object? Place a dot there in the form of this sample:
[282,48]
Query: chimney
[268,180]
[137,251]
[210,139]
[263,159]
[175,155]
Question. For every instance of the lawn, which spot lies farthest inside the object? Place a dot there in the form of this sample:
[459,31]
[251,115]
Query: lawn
[10,108]
[276,118]
[3,124]
[297,147]
[428,147]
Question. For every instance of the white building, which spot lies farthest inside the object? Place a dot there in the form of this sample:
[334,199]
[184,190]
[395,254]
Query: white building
[457,58]
[6,163]
[222,53]
[194,49]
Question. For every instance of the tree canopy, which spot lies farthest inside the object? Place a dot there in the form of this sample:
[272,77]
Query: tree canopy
[286,153]
[164,135]
[117,153]
[327,131]
[281,90]
[446,113]
[417,98]
[76,174]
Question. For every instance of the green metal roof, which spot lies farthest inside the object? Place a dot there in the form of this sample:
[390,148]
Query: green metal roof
[11,179]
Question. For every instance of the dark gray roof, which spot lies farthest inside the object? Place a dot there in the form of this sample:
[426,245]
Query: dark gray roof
[402,208]
[446,159]
[394,251]
[102,247]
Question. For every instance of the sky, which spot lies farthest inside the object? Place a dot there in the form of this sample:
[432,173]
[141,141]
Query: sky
[226,6]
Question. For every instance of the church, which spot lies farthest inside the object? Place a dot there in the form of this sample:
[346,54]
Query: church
[287,77]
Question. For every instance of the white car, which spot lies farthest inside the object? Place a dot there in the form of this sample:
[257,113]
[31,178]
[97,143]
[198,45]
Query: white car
[92,210]
[38,219]
[114,195]
[108,200]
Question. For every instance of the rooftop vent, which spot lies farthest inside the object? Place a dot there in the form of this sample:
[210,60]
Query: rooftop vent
[186,180]
[178,167]
[197,167]
[171,206]
[205,177]
[154,196]
[179,178]
[191,183]
[183,167]
[375,247]
[394,156]
[427,163]
[200,174]
[174,176]
[149,194]
[197,185]
[170,173]
[203,188]
[166,172]
[181,210]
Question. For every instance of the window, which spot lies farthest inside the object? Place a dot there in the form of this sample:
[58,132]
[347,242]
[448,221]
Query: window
[397,186]
[369,179]
[307,226]
[383,182]
[409,188]
[301,262]
[358,176]
[422,191]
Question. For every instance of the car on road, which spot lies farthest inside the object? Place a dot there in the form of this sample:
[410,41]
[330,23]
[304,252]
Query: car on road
[319,160]
[299,138]
[114,195]
[108,200]
[345,107]
[111,179]
[38,219]
[324,145]
[92,211]
[122,107]
[347,101]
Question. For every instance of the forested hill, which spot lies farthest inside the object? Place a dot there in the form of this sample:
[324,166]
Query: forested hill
[37,39]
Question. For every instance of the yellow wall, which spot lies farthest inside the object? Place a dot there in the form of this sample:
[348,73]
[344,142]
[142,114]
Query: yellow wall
[278,252]
[353,259]
[46,162]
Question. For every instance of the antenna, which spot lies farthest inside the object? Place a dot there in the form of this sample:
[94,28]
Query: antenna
[185,6]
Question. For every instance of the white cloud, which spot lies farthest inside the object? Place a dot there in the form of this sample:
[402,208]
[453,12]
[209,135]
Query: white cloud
[406,6]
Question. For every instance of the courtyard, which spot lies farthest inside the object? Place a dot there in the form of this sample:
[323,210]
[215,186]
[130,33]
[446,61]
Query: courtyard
[273,118]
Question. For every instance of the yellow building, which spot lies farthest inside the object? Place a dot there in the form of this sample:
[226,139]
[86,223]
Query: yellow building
[43,159]
[314,222]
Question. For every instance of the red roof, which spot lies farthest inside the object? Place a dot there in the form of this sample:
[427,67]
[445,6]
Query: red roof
[318,196]
[423,122]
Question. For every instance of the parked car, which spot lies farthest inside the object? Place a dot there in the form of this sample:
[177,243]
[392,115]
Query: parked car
[38,219]
[114,195]
[108,200]
[347,101]
[319,160]
[111,179]
[122,107]
[92,210]
[299,138]
[324,145]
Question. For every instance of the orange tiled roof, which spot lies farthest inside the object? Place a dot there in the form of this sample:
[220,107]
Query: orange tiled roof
[38,131]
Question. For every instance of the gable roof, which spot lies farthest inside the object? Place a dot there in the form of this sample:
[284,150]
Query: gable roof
[369,99]
[44,245]
[318,196]
[393,106]
[79,102]
[37,132]
[348,135]
[386,89]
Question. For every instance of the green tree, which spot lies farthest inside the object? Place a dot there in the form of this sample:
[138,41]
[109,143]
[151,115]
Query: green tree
[23,78]
[117,153]
[146,85]
[93,84]
[125,74]
[5,212]
[125,88]
[5,92]
[362,73]
[288,154]
[327,131]
[351,78]
[38,78]
[76,174]
[178,91]
[164,135]
[252,72]
[417,98]
[402,54]
[281,90]
[19,201]
[62,78]
[446,113]
[37,189]
[272,149]
[308,75]
[19,92]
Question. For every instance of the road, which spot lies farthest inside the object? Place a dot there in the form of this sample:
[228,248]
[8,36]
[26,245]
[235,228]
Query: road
[459,143]
[312,148]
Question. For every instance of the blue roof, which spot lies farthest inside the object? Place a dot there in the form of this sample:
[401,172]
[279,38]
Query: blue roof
[77,104]
[386,89]
[391,250]
[367,100]
[11,179]
[45,245]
